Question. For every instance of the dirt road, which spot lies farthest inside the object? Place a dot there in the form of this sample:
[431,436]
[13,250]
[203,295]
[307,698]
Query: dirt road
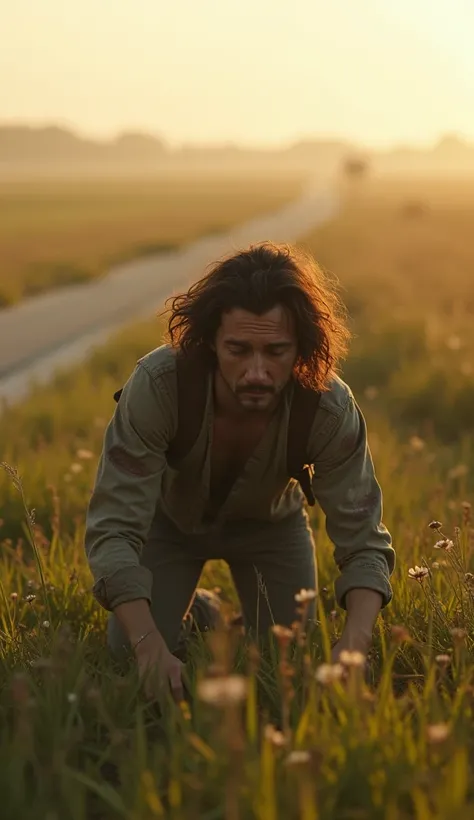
[59,328]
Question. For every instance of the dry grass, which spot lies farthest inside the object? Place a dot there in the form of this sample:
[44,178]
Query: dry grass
[55,232]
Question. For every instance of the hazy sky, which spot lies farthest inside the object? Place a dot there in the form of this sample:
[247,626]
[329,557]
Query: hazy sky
[251,71]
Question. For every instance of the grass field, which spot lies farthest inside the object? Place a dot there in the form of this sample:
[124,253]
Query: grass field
[57,232]
[78,741]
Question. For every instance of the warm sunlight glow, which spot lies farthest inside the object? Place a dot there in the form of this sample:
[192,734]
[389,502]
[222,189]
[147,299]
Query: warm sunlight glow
[253,71]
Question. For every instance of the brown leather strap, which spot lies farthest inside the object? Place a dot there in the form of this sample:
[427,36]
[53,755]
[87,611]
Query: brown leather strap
[192,371]
[303,409]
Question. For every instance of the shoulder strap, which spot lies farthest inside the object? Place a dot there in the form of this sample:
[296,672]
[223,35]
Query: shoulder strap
[191,372]
[303,408]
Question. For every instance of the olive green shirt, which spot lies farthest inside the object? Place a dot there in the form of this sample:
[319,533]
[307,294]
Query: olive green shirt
[134,476]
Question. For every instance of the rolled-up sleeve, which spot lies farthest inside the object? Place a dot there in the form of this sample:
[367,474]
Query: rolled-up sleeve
[127,488]
[345,486]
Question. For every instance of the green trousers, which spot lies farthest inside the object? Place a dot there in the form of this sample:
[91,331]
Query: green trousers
[269,564]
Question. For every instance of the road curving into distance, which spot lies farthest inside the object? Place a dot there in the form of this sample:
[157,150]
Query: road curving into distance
[57,329]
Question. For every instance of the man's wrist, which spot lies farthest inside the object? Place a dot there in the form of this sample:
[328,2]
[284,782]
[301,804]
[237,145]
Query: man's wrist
[137,641]
[356,638]
[153,641]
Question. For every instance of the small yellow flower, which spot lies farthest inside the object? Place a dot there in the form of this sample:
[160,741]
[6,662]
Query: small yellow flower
[328,673]
[76,468]
[223,691]
[13,596]
[418,573]
[305,595]
[437,732]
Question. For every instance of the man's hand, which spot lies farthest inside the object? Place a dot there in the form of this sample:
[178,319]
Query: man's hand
[158,668]
[352,643]
[363,606]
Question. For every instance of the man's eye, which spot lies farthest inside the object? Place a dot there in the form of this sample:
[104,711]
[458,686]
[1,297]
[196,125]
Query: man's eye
[237,351]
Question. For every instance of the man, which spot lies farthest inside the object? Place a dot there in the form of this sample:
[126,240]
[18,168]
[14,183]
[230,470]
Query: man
[262,325]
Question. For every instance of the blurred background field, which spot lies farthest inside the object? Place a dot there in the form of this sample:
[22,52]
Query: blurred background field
[56,231]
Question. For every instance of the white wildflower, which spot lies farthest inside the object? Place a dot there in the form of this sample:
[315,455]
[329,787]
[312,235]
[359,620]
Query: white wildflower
[72,697]
[85,455]
[298,757]
[418,573]
[282,633]
[328,673]
[275,737]
[45,624]
[223,690]
[305,595]
[348,658]
[443,660]
[445,544]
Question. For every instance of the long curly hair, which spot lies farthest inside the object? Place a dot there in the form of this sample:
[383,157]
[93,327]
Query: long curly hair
[257,279]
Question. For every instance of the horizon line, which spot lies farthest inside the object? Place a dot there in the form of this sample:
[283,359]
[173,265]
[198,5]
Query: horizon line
[301,139]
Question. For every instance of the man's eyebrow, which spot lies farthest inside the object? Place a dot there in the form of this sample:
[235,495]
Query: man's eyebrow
[271,345]
[279,344]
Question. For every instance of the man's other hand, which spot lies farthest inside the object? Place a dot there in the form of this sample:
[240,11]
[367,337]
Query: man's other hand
[159,669]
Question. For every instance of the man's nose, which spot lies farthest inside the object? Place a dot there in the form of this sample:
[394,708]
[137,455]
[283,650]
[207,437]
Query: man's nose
[257,371]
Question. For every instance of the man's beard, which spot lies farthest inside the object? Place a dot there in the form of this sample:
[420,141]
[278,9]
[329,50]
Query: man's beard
[249,390]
